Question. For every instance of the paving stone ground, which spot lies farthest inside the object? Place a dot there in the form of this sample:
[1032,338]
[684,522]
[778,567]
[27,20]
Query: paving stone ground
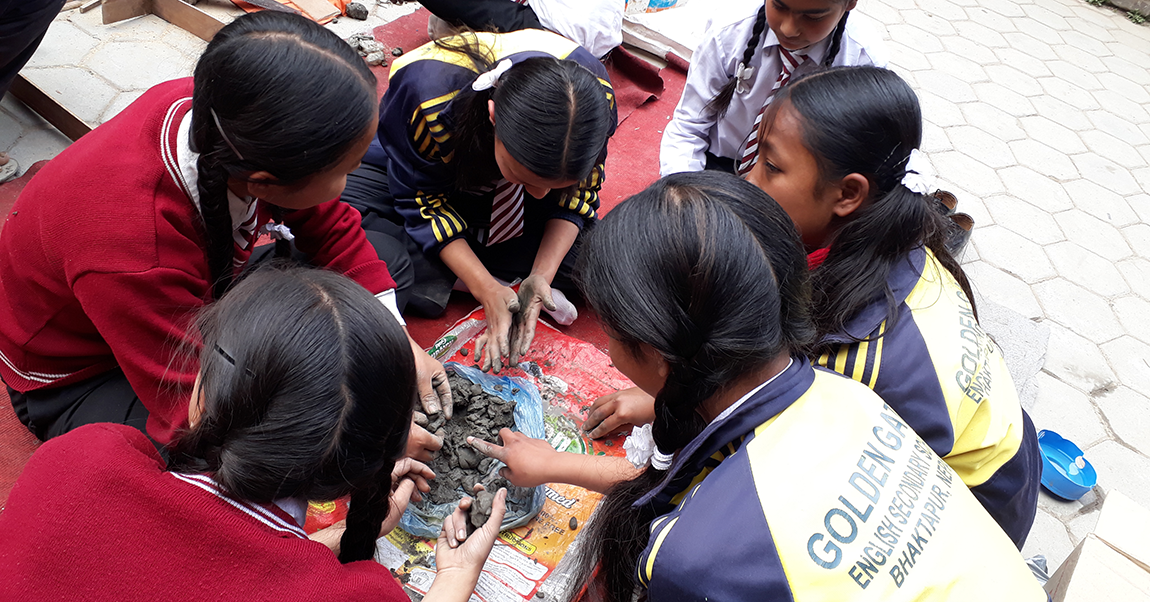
[1037,115]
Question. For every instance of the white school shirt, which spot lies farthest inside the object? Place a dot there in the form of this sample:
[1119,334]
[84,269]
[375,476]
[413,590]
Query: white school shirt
[241,210]
[694,131]
[596,25]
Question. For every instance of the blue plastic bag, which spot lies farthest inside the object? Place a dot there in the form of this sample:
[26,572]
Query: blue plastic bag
[528,415]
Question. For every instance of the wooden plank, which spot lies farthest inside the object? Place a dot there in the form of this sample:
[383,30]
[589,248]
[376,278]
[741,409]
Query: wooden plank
[118,10]
[318,10]
[47,107]
[187,17]
[87,6]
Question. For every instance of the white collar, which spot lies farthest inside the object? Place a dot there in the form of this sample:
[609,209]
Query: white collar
[734,406]
[186,159]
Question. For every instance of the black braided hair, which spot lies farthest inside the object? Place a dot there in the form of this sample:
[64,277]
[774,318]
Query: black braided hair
[274,92]
[866,120]
[836,40]
[722,101]
[213,189]
[708,271]
[550,114]
[308,385]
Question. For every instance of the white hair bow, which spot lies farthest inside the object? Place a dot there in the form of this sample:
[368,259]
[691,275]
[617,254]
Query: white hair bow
[919,173]
[641,449]
[277,231]
[487,80]
[743,75]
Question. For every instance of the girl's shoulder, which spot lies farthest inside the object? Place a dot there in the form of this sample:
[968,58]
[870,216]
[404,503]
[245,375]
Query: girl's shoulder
[863,43]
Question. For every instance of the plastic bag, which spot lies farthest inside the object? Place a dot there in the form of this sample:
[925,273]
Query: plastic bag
[528,414]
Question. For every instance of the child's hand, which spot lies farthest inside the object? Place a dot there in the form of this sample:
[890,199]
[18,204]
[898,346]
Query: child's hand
[499,306]
[408,482]
[456,551]
[534,296]
[529,461]
[421,445]
[609,413]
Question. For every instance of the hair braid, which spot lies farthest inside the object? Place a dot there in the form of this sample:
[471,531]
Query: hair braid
[213,188]
[365,515]
[722,101]
[836,40]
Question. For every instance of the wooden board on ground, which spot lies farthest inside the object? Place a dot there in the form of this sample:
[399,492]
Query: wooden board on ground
[318,10]
[176,12]
[53,112]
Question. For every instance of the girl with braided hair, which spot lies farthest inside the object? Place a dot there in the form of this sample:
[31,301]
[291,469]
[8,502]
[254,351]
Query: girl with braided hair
[112,248]
[739,67]
[305,387]
[773,479]
[892,308]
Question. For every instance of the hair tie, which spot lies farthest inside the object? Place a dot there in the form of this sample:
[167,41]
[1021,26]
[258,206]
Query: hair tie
[918,174]
[743,75]
[641,449]
[224,134]
[660,460]
[488,79]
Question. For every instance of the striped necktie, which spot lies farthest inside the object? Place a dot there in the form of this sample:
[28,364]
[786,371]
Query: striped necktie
[506,213]
[790,61]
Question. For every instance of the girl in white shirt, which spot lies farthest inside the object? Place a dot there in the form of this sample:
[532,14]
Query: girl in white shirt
[740,64]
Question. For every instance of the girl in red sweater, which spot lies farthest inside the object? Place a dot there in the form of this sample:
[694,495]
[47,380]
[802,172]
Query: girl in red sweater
[305,388]
[118,241]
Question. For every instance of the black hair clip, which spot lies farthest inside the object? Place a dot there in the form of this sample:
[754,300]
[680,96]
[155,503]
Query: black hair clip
[231,360]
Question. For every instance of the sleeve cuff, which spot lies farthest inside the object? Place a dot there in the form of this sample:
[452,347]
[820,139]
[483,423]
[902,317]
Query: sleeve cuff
[387,298]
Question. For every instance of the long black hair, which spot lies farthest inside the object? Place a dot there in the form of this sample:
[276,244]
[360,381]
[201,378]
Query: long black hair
[722,101]
[708,271]
[867,120]
[274,92]
[308,385]
[552,116]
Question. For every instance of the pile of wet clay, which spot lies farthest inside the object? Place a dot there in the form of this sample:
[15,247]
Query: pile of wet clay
[458,466]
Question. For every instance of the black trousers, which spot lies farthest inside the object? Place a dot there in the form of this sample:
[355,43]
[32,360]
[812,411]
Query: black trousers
[108,397]
[368,191]
[23,24]
[485,15]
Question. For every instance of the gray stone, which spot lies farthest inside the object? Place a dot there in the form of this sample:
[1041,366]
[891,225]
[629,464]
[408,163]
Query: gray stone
[356,11]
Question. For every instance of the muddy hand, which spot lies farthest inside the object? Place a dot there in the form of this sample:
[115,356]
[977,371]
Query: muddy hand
[609,413]
[422,445]
[434,390]
[496,340]
[528,461]
[415,471]
[534,296]
[469,550]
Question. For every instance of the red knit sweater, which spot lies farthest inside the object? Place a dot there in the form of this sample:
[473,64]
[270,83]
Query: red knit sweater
[102,261]
[94,516]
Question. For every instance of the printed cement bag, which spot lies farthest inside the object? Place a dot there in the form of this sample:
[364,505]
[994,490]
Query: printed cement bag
[528,414]
[651,6]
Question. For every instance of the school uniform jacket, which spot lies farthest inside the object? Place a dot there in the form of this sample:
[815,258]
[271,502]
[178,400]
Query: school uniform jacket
[416,129]
[102,258]
[945,376]
[95,516]
[813,489]
[693,130]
